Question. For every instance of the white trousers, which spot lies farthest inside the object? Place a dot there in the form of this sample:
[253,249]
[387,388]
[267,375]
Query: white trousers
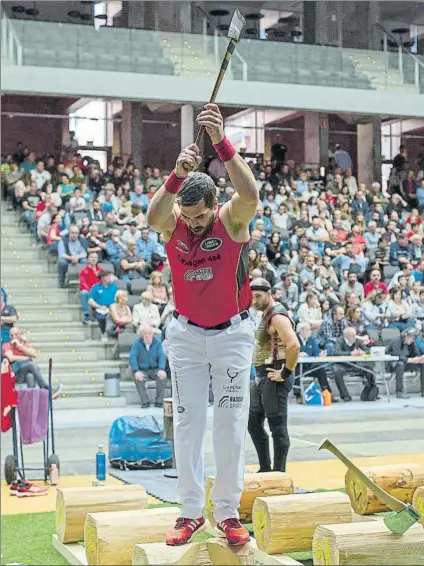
[194,356]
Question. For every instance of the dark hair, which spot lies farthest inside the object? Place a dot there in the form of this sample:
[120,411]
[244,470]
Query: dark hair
[197,187]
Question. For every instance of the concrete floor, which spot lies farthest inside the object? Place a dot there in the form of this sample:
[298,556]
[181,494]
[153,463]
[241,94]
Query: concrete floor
[359,429]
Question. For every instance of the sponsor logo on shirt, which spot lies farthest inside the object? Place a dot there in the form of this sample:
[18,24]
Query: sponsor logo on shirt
[196,262]
[203,274]
[211,244]
[230,402]
[181,247]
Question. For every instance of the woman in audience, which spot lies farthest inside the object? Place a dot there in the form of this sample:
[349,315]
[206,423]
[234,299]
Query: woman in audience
[274,250]
[311,312]
[400,311]
[146,313]
[158,290]
[119,314]
[53,235]
[168,311]
[253,260]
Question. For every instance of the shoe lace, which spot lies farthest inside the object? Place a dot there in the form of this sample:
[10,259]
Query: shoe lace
[181,523]
[232,523]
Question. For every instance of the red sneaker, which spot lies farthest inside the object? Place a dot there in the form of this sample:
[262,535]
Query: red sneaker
[14,487]
[234,532]
[26,489]
[184,530]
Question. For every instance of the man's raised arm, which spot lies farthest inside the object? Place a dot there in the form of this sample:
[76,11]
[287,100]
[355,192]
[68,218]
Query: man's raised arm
[243,204]
[161,214]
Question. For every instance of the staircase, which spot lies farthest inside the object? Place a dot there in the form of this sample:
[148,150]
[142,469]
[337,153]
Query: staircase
[51,317]
[374,65]
[192,55]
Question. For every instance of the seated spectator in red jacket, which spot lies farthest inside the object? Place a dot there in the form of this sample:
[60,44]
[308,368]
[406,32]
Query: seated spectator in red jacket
[375,283]
[88,277]
[21,354]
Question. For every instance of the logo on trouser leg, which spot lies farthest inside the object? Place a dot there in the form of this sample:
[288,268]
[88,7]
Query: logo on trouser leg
[232,374]
[180,409]
[229,402]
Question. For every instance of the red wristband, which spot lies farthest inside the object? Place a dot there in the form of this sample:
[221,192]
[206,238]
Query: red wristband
[225,150]
[173,183]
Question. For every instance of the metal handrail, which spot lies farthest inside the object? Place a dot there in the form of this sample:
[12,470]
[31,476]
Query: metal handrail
[217,33]
[401,49]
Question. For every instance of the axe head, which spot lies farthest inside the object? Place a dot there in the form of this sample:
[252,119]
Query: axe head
[237,25]
[401,521]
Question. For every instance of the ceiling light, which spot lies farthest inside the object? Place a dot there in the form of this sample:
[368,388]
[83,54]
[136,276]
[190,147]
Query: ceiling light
[18,9]
[74,14]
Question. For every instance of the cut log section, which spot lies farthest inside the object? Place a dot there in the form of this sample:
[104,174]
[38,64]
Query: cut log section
[221,554]
[367,544]
[255,485]
[110,537]
[73,504]
[160,553]
[400,480]
[287,523]
[418,502]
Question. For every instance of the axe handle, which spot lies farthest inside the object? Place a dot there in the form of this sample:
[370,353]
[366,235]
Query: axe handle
[392,502]
[225,62]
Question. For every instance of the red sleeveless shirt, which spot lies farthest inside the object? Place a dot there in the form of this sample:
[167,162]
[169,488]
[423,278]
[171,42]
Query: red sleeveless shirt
[209,274]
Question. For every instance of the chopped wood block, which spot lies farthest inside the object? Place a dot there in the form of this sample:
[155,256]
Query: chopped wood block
[160,553]
[110,537]
[221,554]
[287,523]
[418,502]
[400,480]
[73,504]
[367,544]
[364,518]
[255,485]
[73,553]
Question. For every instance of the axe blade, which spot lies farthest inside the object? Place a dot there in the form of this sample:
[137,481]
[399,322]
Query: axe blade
[405,515]
[401,521]
[237,25]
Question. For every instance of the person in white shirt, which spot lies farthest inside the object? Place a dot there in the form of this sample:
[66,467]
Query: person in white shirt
[131,233]
[310,312]
[146,313]
[40,176]
[77,203]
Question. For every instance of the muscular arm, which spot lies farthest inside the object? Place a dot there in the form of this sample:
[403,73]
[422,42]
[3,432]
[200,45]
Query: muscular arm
[283,327]
[163,211]
[240,210]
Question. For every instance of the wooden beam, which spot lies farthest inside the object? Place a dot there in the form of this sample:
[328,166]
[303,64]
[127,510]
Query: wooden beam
[366,544]
[400,480]
[221,554]
[73,553]
[255,485]
[287,523]
[110,537]
[418,502]
[73,504]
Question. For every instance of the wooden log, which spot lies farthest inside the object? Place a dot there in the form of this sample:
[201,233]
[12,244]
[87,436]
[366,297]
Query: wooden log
[287,523]
[160,553]
[168,419]
[255,485]
[367,544]
[110,537]
[418,502]
[73,504]
[400,480]
[221,554]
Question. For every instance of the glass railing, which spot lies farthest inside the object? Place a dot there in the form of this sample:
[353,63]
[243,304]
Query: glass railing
[49,44]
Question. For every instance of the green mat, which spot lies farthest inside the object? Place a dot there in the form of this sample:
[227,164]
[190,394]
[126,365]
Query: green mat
[27,539]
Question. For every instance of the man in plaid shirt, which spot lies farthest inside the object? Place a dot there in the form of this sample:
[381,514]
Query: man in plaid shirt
[331,329]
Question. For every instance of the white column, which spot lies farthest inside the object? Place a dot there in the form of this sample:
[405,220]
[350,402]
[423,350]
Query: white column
[187,125]
[126,149]
[311,138]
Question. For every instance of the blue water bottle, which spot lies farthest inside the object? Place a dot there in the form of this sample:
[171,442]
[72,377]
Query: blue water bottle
[101,464]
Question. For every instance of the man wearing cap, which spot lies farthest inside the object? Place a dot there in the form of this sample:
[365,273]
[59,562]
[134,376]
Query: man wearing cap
[101,297]
[405,348]
[275,357]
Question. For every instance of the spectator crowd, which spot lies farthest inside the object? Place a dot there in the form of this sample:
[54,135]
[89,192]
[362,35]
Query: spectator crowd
[345,259]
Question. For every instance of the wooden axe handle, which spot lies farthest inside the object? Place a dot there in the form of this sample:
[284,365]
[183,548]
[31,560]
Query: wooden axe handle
[391,502]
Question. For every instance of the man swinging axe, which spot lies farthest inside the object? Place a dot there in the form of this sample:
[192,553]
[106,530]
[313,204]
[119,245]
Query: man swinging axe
[275,358]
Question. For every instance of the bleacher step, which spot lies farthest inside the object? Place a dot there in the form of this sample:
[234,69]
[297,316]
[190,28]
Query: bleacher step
[86,402]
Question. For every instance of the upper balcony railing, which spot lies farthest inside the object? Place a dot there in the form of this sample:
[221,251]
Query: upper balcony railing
[47,44]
